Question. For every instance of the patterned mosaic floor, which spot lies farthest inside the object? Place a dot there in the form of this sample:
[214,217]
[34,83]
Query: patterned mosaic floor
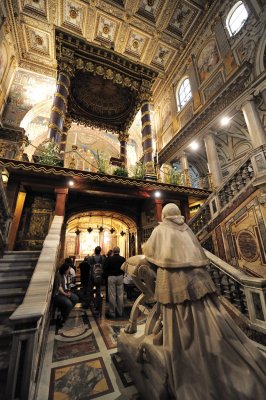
[81,360]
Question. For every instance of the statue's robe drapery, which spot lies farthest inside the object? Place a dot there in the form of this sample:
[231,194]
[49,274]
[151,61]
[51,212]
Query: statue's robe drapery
[207,356]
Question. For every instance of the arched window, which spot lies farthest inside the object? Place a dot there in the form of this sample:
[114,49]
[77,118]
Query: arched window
[184,93]
[236,18]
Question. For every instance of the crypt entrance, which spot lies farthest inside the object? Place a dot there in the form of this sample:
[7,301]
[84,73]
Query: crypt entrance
[86,230]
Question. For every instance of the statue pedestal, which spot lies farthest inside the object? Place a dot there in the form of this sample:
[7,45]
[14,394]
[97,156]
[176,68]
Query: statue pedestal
[145,363]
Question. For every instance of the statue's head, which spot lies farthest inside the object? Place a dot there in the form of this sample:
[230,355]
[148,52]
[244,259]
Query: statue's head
[170,210]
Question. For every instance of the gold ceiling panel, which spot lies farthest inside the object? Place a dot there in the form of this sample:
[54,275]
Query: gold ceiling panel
[152,31]
[38,41]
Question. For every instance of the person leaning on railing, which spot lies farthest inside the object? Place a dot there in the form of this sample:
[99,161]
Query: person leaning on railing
[64,299]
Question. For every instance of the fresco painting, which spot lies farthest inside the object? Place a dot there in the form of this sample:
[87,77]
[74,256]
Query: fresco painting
[208,59]
[27,90]
[3,61]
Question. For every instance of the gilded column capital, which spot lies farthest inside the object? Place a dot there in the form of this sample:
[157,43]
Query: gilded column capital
[123,137]
[67,68]
[67,123]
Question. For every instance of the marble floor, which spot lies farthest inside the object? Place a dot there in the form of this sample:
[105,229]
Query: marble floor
[81,360]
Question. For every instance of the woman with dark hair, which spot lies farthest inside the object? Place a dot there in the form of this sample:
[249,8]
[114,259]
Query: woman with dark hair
[64,299]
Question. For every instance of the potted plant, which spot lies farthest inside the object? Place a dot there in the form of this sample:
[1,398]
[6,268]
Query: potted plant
[120,171]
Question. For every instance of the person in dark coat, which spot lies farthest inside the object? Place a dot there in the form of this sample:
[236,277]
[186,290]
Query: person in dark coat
[84,268]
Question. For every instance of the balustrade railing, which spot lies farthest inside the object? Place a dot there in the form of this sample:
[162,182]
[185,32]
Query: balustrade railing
[246,293]
[236,183]
[31,322]
[5,216]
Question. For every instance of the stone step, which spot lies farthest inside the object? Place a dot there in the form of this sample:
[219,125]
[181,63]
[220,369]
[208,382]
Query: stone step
[14,280]
[5,337]
[4,358]
[22,252]
[11,271]
[5,331]
[20,256]
[14,295]
[5,311]
[18,263]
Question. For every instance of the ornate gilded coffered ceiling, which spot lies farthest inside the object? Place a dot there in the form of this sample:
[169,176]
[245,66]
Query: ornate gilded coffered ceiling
[153,32]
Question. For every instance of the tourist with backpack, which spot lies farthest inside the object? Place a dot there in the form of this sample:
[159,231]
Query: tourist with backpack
[115,284]
[96,276]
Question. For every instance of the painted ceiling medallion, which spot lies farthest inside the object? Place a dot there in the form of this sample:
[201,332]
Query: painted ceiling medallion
[106,29]
[135,44]
[38,40]
[150,3]
[162,56]
[73,13]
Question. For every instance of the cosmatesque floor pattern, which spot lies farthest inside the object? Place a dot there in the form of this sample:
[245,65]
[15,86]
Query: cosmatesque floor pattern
[81,360]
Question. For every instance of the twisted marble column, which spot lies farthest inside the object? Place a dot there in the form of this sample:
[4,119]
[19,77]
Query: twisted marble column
[123,138]
[147,141]
[59,106]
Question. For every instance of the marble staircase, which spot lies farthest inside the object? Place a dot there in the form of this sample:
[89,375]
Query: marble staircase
[16,268]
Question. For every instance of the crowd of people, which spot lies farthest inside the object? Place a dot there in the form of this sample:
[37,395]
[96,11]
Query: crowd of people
[95,270]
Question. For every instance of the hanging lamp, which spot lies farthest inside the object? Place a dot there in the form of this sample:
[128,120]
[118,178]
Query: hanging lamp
[101,228]
[112,230]
[89,229]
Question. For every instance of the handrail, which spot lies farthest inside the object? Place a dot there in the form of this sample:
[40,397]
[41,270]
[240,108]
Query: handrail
[246,293]
[31,321]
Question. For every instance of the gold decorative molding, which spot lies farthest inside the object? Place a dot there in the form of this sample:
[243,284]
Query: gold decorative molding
[61,97]
[123,137]
[63,84]
[146,137]
[92,176]
[55,127]
[67,123]
[148,150]
[60,112]
[147,123]
[145,113]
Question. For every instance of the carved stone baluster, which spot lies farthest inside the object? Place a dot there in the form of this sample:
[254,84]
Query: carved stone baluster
[250,171]
[234,187]
[239,180]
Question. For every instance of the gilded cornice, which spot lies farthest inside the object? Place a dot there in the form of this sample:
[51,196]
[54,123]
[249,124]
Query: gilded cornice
[234,88]
[77,55]
[13,165]
[101,56]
